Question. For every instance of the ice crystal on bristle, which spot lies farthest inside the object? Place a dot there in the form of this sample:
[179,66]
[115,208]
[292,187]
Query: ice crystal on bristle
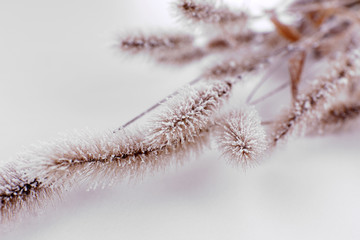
[241,138]
[87,157]
[20,193]
[188,116]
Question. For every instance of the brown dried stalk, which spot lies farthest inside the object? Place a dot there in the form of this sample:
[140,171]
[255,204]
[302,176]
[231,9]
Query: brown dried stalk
[296,65]
[286,31]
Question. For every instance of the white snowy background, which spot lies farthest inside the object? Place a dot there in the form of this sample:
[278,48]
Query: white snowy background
[59,71]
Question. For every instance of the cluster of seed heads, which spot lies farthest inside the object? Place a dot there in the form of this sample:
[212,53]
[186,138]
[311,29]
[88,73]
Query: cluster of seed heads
[320,50]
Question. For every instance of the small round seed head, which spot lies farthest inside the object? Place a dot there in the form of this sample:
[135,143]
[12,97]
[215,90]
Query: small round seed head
[241,138]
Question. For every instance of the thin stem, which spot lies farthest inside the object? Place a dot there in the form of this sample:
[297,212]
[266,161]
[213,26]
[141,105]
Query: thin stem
[284,85]
[267,77]
[153,107]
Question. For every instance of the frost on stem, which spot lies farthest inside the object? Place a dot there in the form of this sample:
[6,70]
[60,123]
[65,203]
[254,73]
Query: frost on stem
[241,137]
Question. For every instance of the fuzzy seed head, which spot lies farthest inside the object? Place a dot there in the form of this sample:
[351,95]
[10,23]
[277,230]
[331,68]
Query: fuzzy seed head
[188,115]
[20,193]
[339,116]
[206,12]
[307,110]
[241,138]
[151,43]
[231,68]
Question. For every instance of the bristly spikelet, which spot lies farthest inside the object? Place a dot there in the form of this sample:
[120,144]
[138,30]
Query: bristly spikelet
[205,12]
[326,29]
[88,157]
[250,56]
[155,43]
[338,116]
[188,116]
[296,66]
[164,48]
[241,137]
[20,193]
[233,41]
[182,56]
[231,68]
[308,108]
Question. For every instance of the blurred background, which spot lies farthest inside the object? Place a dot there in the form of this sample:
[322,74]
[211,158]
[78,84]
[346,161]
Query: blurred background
[60,71]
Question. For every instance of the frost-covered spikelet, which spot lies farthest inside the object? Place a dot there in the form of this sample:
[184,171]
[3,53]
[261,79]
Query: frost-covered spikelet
[338,116]
[20,193]
[88,157]
[92,159]
[185,120]
[181,56]
[241,137]
[232,68]
[251,56]
[309,107]
[162,42]
[197,11]
[164,48]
